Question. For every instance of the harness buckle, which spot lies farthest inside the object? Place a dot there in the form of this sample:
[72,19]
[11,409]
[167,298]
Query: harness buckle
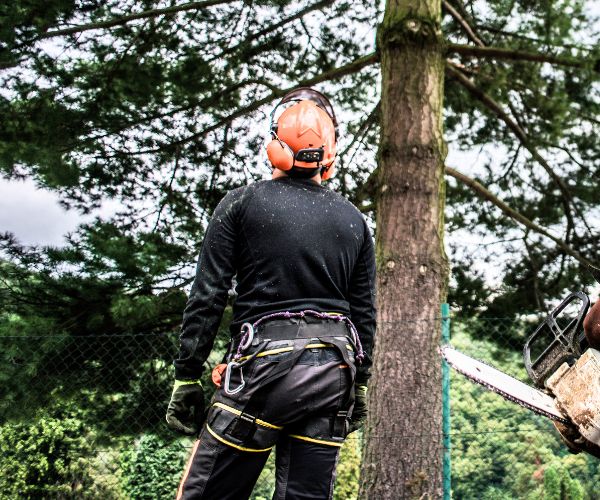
[244,427]
[247,417]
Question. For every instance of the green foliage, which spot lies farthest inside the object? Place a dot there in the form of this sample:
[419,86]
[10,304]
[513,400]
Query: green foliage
[51,456]
[558,485]
[153,468]
[64,314]
[552,485]
[502,451]
[348,469]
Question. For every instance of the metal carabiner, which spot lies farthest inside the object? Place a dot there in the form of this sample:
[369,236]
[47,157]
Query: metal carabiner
[226,388]
[246,330]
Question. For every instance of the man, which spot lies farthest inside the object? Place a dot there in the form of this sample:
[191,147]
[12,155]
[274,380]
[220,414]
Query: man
[303,321]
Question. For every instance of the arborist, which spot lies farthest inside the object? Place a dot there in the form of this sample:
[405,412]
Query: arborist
[295,375]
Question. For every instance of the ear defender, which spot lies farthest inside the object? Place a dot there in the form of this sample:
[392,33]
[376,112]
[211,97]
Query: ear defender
[280,155]
[327,172]
[304,137]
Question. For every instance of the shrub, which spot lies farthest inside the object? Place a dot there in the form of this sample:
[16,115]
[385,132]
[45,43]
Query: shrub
[152,469]
[48,457]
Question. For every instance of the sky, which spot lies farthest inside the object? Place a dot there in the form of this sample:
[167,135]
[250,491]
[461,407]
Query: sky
[34,215]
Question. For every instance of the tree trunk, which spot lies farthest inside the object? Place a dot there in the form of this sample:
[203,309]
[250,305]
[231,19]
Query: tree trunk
[403,453]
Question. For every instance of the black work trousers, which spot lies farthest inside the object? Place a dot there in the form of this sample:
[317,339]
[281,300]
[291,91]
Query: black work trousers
[301,414]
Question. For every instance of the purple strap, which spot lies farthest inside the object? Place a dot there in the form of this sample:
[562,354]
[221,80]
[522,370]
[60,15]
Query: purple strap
[360,355]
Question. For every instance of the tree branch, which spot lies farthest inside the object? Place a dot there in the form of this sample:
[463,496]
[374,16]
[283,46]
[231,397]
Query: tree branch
[334,73]
[364,127]
[463,23]
[10,64]
[298,15]
[207,101]
[517,130]
[132,17]
[519,55]
[362,131]
[483,193]
[168,193]
[532,39]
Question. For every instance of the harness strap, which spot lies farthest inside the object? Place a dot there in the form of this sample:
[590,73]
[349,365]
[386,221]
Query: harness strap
[284,367]
[248,329]
[327,332]
[287,331]
[280,350]
[348,406]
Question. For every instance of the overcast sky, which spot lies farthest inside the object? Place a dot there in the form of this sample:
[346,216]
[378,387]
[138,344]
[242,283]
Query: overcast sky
[34,215]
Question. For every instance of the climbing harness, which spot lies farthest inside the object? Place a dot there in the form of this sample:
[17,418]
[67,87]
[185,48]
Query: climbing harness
[248,337]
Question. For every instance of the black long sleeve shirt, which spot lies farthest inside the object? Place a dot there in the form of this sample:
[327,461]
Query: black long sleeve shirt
[293,245]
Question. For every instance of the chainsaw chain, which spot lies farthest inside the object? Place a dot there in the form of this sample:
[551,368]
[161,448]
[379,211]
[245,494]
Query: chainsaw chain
[504,394]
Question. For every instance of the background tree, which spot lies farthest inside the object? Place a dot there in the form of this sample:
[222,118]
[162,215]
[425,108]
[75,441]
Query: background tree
[162,107]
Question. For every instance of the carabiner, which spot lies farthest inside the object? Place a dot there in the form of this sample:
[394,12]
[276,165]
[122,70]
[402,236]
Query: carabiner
[248,336]
[226,388]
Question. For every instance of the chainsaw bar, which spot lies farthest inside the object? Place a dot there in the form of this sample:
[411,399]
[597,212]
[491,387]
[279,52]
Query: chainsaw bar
[509,388]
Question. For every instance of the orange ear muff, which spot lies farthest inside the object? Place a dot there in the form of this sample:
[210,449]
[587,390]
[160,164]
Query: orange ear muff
[280,155]
[327,172]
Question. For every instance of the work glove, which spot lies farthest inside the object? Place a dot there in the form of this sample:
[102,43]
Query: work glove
[185,413]
[591,325]
[359,413]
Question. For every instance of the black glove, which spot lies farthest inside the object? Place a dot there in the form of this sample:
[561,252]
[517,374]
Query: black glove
[185,413]
[359,413]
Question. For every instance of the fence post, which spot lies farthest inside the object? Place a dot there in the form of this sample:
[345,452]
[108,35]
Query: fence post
[446,403]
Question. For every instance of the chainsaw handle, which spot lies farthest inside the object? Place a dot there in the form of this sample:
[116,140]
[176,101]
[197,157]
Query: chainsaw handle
[558,344]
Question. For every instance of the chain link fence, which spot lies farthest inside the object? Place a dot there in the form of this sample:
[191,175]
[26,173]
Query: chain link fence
[83,417]
[500,450]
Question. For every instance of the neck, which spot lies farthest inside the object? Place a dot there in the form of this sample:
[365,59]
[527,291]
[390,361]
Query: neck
[278,174]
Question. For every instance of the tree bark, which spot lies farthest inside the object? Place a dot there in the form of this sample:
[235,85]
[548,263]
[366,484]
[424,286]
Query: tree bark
[403,452]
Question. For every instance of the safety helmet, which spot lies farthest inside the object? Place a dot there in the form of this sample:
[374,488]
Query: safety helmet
[303,140]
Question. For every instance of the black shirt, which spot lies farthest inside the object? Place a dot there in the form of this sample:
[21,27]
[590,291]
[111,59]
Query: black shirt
[293,245]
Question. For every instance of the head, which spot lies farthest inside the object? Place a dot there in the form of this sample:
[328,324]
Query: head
[303,139]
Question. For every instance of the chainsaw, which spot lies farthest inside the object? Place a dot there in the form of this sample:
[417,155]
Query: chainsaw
[564,370]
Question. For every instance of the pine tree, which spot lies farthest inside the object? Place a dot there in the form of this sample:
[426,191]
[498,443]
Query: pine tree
[163,107]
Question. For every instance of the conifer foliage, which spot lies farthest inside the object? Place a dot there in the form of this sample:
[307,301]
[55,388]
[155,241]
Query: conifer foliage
[163,106]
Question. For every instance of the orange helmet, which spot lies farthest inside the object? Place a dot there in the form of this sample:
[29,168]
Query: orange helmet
[304,136]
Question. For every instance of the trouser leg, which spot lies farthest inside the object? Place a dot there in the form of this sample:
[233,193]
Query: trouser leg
[304,470]
[216,471]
